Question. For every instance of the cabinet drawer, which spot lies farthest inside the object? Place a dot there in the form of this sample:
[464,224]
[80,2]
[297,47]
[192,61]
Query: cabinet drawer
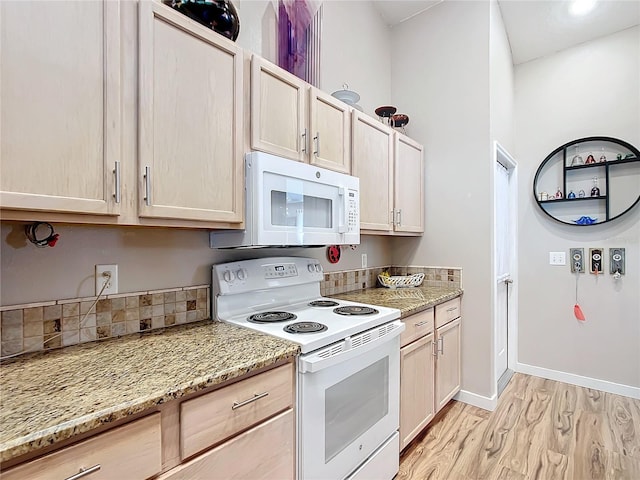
[264,452]
[131,451]
[447,311]
[416,326]
[210,418]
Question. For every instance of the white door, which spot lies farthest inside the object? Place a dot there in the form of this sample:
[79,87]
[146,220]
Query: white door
[504,255]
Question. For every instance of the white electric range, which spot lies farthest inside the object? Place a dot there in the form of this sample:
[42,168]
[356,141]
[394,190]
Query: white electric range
[348,373]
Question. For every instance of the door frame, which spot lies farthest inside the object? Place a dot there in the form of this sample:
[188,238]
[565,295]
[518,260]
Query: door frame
[502,156]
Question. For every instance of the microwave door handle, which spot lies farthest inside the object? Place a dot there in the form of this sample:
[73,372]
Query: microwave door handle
[342,227]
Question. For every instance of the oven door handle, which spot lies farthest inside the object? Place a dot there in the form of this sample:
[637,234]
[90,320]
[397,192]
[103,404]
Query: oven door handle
[324,358]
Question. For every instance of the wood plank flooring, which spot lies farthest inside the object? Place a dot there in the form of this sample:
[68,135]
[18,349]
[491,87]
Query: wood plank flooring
[541,429]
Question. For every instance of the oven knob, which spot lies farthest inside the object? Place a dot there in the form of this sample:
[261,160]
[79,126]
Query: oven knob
[310,267]
[318,268]
[241,274]
[228,276]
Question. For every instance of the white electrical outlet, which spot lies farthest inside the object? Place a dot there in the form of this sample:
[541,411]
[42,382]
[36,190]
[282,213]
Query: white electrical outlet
[364,260]
[557,258]
[101,278]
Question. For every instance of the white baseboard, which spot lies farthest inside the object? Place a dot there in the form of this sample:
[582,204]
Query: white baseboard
[587,382]
[487,403]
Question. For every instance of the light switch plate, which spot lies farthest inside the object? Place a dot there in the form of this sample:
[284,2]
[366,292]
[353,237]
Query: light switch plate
[577,260]
[557,258]
[596,260]
[616,261]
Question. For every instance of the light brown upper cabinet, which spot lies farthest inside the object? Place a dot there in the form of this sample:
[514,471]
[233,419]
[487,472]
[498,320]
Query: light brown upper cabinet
[391,171]
[60,93]
[408,185]
[292,119]
[190,119]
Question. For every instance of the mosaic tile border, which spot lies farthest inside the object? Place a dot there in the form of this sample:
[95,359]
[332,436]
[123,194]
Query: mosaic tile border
[350,280]
[48,325]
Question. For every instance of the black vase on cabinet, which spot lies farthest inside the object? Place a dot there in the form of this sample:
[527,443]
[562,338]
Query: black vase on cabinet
[218,15]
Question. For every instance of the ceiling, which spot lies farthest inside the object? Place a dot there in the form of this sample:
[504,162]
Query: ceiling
[539,27]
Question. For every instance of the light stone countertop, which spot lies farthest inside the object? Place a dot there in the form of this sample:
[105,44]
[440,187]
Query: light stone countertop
[49,397]
[408,300]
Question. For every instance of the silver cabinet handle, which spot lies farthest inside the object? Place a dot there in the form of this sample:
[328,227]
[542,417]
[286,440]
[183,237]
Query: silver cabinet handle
[434,351]
[419,324]
[316,139]
[399,217]
[147,185]
[304,141]
[255,397]
[393,217]
[116,171]
[84,472]
[441,346]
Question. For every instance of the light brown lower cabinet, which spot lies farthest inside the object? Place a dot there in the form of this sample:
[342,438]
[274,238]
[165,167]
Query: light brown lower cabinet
[416,388]
[131,451]
[429,366]
[266,451]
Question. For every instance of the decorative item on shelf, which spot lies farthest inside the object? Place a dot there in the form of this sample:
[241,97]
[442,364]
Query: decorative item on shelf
[590,160]
[543,196]
[577,159]
[218,15]
[581,194]
[619,156]
[559,194]
[603,157]
[571,195]
[595,191]
[399,120]
[384,113]
[584,220]
[629,155]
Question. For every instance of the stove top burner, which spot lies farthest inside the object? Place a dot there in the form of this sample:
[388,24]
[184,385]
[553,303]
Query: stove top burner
[323,303]
[270,317]
[305,327]
[355,310]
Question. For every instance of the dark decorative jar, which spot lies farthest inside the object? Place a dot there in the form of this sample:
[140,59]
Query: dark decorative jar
[218,15]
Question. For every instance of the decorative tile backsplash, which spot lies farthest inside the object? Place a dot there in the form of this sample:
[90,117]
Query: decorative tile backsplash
[349,280]
[60,323]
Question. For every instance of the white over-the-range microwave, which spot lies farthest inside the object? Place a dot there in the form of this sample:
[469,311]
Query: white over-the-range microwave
[290,203]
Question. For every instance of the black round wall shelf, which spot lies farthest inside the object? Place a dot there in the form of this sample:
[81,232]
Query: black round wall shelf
[588,181]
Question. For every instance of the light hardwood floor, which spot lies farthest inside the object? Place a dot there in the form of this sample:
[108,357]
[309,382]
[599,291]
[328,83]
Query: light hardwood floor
[541,430]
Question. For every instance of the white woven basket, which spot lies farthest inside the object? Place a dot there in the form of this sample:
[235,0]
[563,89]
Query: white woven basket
[401,281]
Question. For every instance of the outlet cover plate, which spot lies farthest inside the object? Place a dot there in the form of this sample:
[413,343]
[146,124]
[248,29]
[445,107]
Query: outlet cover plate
[577,260]
[557,258]
[112,285]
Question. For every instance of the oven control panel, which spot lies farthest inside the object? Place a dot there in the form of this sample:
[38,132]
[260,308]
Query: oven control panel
[280,271]
[259,274]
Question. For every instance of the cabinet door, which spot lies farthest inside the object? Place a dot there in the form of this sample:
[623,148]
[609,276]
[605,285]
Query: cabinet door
[416,388]
[190,119]
[60,106]
[409,185]
[448,363]
[372,151]
[330,123]
[278,111]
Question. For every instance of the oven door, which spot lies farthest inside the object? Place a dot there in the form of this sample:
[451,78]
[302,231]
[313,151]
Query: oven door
[349,406]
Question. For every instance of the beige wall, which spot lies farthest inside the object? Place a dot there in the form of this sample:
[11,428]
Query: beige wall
[592,89]
[441,73]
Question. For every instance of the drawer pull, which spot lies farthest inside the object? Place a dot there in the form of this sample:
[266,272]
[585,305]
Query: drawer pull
[84,472]
[452,309]
[419,324]
[256,396]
